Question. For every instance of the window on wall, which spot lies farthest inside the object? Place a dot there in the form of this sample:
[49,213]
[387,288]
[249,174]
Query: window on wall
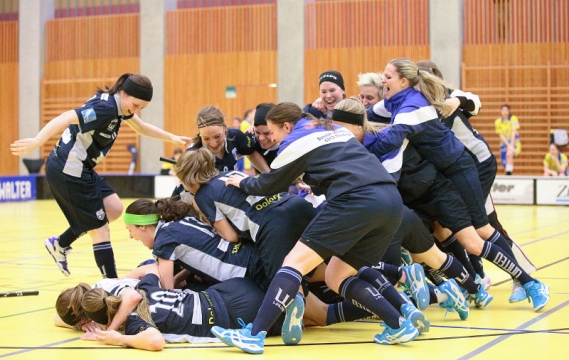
[75,8]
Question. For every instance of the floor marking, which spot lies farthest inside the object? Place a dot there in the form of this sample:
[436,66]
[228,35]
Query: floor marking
[25,313]
[507,336]
[48,346]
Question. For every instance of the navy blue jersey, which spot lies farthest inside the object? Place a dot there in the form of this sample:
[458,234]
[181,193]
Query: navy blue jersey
[198,248]
[333,161]
[217,201]
[391,161]
[85,145]
[309,109]
[415,119]
[268,154]
[468,136]
[115,286]
[236,144]
[181,316]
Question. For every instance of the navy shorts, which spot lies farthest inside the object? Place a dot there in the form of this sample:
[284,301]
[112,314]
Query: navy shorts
[243,299]
[80,199]
[356,226]
[444,204]
[280,230]
[487,174]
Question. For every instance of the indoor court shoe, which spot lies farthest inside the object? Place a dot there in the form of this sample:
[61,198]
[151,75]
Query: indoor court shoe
[538,293]
[419,321]
[291,331]
[481,299]
[58,253]
[415,281]
[518,292]
[456,301]
[405,333]
[242,338]
[406,256]
[484,281]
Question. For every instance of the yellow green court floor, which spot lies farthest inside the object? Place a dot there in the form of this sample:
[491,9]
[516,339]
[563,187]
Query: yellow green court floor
[501,331]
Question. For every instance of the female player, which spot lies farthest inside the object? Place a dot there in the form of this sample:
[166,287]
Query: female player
[555,162]
[507,126]
[273,222]
[415,120]
[362,213]
[332,91]
[265,145]
[171,229]
[86,200]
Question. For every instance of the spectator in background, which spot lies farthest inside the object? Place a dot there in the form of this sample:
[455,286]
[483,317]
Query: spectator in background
[507,126]
[236,123]
[248,117]
[555,162]
[167,168]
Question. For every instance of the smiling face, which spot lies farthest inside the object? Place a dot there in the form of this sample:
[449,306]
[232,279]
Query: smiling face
[144,234]
[213,138]
[278,131]
[264,136]
[130,105]
[392,81]
[331,94]
[369,95]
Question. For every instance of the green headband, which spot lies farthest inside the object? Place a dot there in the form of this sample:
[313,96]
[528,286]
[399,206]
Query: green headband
[148,219]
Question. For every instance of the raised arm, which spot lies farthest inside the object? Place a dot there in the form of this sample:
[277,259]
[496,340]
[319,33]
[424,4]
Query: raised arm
[152,131]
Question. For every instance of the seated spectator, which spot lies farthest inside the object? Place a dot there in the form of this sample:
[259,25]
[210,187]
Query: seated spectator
[555,162]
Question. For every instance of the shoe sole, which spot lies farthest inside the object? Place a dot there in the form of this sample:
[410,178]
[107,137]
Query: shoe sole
[418,276]
[291,331]
[452,293]
[405,339]
[50,249]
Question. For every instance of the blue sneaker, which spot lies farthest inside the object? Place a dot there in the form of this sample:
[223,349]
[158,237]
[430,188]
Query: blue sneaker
[291,331]
[242,338]
[415,281]
[419,321]
[405,333]
[58,253]
[481,299]
[456,300]
[484,282]
[406,256]
[518,292]
[538,293]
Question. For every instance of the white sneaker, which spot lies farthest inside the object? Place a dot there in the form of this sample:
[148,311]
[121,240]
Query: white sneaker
[518,292]
[58,253]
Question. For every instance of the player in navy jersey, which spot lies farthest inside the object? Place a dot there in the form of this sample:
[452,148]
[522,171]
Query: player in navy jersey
[362,212]
[170,229]
[89,132]
[332,91]
[225,143]
[415,119]
[265,145]
[273,222]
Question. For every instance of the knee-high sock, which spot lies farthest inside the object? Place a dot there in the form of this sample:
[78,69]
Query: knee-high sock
[452,246]
[477,265]
[67,238]
[501,259]
[495,223]
[376,278]
[105,259]
[345,311]
[364,295]
[436,276]
[453,269]
[280,294]
[500,240]
[391,272]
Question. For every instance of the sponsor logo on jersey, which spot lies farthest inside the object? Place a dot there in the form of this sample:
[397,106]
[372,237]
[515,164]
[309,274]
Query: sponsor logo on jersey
[234,153]
[268,201]
[113,124]
[100,214]
[105,135]
[88,115]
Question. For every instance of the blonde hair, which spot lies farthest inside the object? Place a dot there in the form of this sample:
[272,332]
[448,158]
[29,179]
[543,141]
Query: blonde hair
[433,88]
[355,106]
[96,300]
[292,113]
[196,167]
[372,79]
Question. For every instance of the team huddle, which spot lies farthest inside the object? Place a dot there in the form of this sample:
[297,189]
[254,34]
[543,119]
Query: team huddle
[353,197]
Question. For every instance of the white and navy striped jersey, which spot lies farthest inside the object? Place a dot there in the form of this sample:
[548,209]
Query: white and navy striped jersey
[181,316]
[86,144]
[468,136]
[115,286]
[198,248]
[217,201]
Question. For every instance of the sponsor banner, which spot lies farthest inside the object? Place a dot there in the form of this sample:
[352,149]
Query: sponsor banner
[513,190]
[552,191]
[17,188]
[164,185]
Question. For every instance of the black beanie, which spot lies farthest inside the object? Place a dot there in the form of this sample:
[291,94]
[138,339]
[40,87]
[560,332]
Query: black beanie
[332,76]
[261,113]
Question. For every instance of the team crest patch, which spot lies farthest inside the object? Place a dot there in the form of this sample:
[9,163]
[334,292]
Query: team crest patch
[88,115]
[100,214]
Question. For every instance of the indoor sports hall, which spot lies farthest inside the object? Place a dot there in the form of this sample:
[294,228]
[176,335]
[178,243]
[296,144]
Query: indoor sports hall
[235,54]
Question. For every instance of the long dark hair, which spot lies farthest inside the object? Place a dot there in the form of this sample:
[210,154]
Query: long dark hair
[135,78]
[292,113]
[169,209]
